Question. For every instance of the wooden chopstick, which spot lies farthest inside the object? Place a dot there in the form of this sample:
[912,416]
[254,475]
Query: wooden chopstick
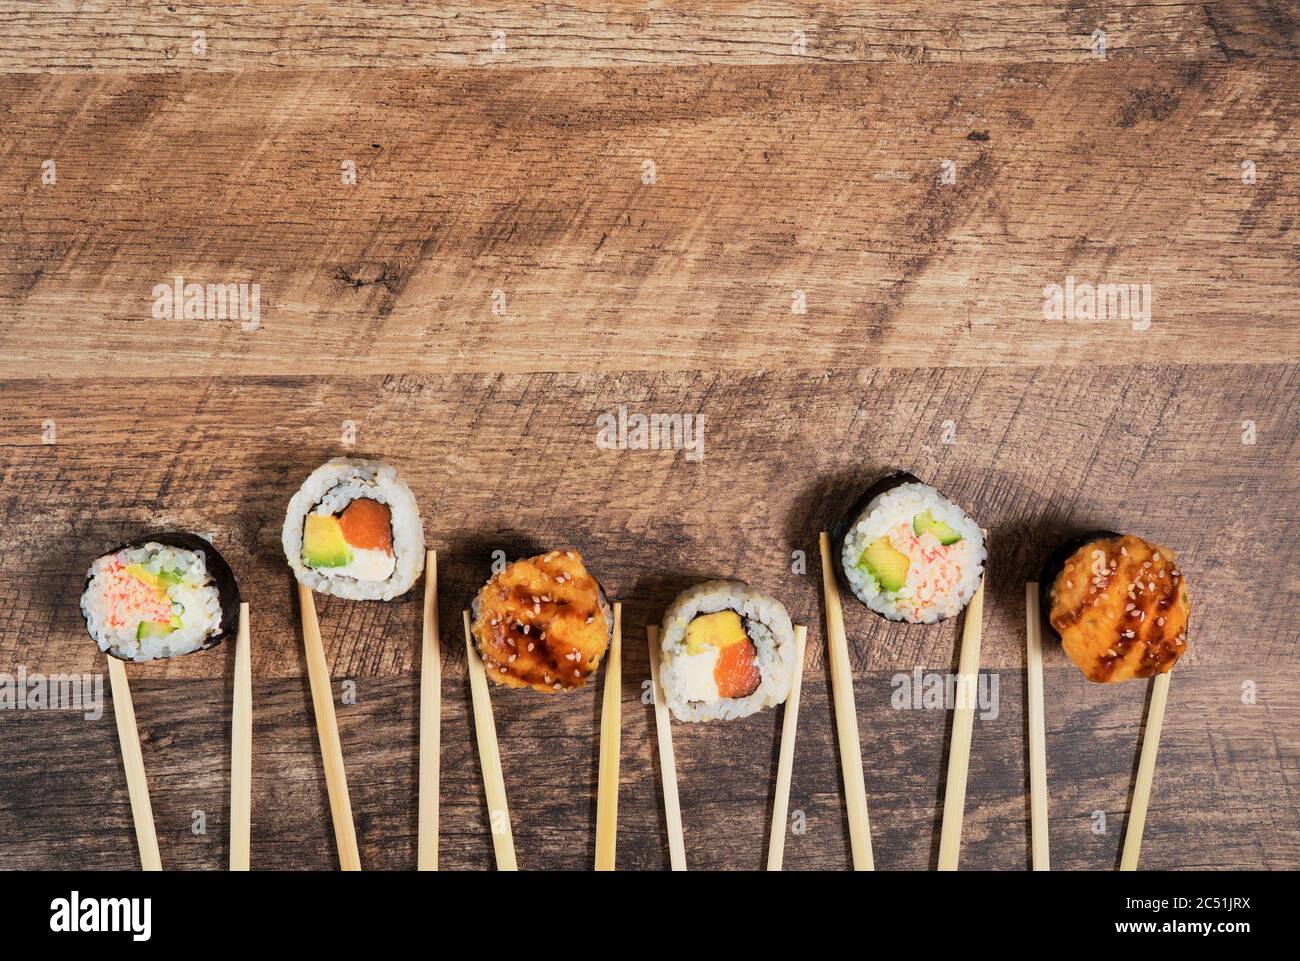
[136,785]
[785,765]
[846,716]
[430,719]
[241,750]
[667,761]
[322,699]
[494,785]
[1146,773]
[611,743]
[963,724]
[1038,836]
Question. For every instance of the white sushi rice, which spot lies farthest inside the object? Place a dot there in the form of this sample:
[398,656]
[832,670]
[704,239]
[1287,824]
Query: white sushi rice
[113,623]
[332,487]
[766,622]
[940,580]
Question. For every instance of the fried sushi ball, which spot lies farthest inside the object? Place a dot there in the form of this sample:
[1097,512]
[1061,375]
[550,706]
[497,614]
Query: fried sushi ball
[543,623]
[1121,608]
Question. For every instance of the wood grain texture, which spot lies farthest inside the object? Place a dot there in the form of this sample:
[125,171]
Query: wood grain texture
[518,177]
[511,463]
[135,35]
[768,181]
[1224,795]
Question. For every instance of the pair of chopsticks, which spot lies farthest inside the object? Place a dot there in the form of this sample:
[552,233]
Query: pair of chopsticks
[668,761]
[241,757]
[494,785]
[1038,749]
[846,723]
[322,696]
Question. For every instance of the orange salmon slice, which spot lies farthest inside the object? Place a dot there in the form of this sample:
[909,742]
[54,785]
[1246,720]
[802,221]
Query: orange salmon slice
[736,672]
[368,525]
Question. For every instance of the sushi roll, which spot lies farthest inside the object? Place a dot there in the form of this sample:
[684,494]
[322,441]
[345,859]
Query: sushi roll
[353,530]
[726,651]
[909,553]
[1119,605]
[543,623]
[170,595]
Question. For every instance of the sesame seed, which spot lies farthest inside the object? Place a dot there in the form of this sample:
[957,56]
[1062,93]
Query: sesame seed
[1160,621]
[531,645]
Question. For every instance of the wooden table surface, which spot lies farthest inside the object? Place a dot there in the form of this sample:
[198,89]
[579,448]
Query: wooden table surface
[828,232]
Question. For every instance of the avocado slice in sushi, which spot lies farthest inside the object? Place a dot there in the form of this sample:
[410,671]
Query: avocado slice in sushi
[924,523]
[148,629]
[887,565]
[323,543]
[721,629]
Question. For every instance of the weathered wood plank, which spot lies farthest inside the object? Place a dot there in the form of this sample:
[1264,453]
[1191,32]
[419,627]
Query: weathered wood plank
[511,462]
[1224,794]
[522,191]
[134,35]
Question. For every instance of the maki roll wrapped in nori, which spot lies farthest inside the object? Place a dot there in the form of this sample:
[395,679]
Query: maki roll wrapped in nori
[1119,604]
[726,651]
[542,622]
[909,553]
[353,530]
[167,595]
